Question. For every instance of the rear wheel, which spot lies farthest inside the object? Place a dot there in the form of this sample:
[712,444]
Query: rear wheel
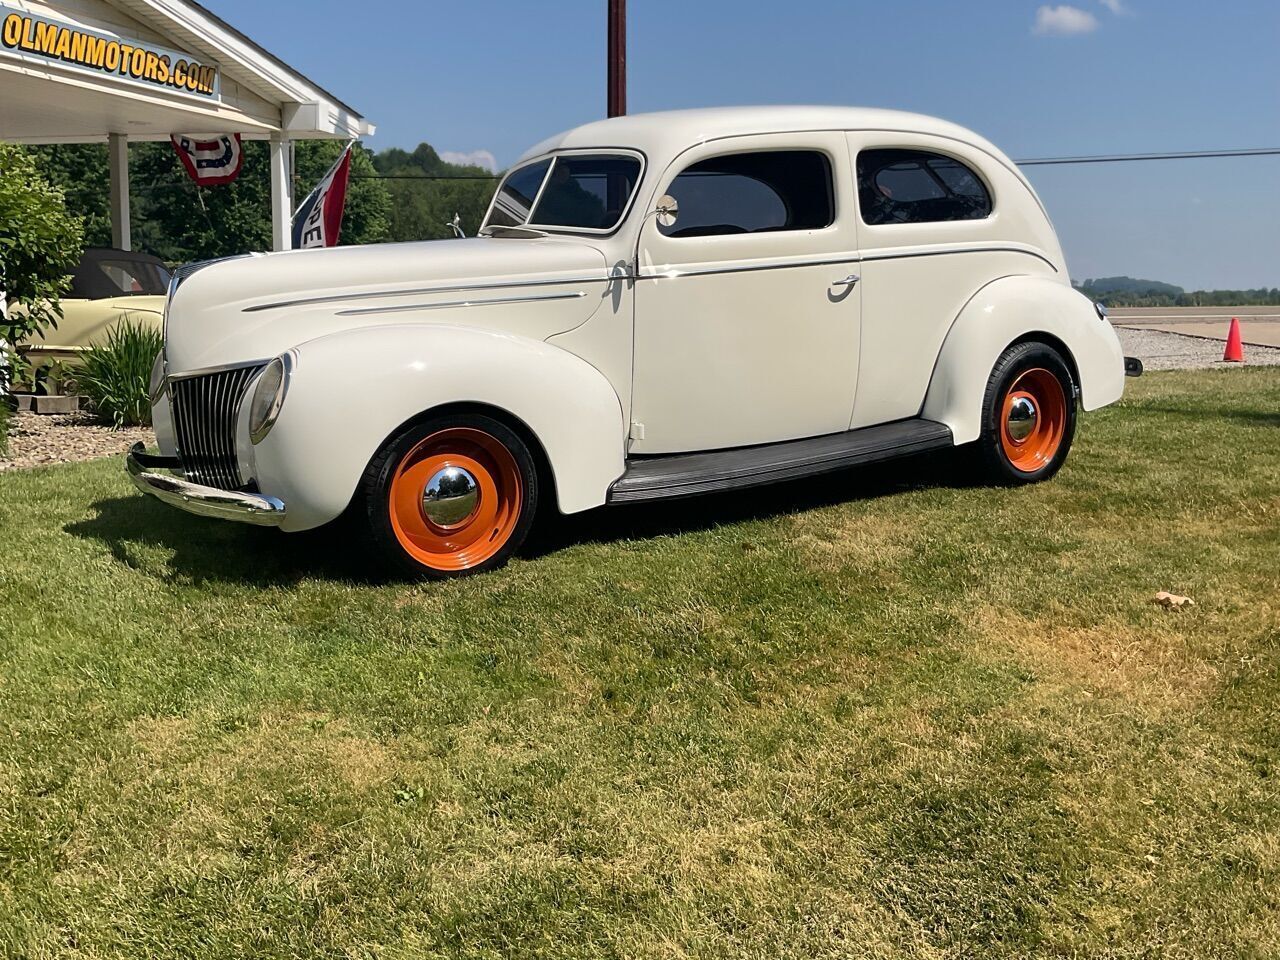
[1028,415]
[451,496]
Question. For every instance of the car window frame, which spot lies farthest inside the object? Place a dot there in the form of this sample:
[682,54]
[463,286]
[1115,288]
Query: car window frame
[576,151]
[833,164]
[975,171]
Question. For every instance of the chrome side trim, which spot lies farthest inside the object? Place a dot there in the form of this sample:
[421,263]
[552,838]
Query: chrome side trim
[251,508]
[420,291]
[868,258]
[405,308]
[846,258]
[750,268]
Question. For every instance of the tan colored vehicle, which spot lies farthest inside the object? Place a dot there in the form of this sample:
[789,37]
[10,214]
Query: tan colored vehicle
[107,287]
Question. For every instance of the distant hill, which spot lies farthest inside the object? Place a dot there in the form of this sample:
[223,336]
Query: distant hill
[1131,292]
[1131,287]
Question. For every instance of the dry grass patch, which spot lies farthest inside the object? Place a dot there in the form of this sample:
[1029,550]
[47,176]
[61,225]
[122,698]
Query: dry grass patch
[872,542]
[1146,666]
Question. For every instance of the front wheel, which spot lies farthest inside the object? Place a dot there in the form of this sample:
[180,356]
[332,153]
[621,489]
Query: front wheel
[1028,415]
[450,496]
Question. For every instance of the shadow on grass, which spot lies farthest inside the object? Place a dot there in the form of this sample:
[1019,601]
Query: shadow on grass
[640,521]
[206,550]
[1253,417]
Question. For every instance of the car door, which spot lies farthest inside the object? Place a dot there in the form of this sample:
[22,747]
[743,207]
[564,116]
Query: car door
[932,232]
[746,310]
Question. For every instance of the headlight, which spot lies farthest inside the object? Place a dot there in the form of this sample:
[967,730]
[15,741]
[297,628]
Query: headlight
[268,397]
[155,390]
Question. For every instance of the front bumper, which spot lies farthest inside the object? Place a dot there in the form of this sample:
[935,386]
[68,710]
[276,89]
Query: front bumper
[235,505]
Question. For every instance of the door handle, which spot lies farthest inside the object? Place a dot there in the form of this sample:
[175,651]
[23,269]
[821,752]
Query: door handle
[848,281]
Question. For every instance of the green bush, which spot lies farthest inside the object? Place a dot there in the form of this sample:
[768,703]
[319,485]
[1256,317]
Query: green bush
[40,243]
[115,375]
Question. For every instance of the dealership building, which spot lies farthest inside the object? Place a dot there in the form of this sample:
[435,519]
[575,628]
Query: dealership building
[112,71]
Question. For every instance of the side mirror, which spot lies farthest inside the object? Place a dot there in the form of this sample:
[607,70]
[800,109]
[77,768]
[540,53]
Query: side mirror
[667,210]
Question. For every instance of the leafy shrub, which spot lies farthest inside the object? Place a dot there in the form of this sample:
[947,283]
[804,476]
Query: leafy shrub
[4,426]
[115,375]
[40,243]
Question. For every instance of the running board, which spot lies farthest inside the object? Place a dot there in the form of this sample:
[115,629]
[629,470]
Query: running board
[689,474]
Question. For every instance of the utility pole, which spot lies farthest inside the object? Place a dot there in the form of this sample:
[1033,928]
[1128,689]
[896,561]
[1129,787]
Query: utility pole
[617,57]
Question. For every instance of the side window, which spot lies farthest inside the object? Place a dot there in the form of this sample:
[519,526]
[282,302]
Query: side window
[911,186]
[754,193]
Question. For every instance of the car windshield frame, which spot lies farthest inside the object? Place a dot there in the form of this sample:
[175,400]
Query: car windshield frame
[531,226]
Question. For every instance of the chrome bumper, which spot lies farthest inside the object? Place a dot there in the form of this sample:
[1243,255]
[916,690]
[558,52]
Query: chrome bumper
[192,497]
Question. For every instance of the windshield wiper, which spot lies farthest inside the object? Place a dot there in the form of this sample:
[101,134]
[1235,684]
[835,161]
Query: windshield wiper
[493,229]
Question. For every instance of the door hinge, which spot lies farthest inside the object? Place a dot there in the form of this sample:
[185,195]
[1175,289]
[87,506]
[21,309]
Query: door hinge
[637,430]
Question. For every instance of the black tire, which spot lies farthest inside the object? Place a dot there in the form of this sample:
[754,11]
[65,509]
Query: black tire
[1001,458]
[406,545]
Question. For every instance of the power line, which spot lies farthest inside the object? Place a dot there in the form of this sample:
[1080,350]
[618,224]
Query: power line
[1128,157]
[414,176]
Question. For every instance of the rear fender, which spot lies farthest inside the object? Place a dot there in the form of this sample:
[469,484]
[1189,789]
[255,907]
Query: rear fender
[1004,312]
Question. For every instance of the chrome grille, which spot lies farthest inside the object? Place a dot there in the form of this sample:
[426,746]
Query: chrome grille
[205,409]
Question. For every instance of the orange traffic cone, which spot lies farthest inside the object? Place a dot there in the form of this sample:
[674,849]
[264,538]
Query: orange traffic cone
[1235,350]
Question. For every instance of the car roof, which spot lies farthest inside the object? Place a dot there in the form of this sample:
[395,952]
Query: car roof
[667,133]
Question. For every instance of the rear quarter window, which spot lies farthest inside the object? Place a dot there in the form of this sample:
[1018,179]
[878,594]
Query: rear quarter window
[915,186]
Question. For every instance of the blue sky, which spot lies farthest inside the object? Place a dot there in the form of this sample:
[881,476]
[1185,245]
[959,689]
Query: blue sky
[1089,77]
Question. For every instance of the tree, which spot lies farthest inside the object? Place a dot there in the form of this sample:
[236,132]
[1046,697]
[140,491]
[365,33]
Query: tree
[427,192]
[40,244]
[179,221]
[79,170]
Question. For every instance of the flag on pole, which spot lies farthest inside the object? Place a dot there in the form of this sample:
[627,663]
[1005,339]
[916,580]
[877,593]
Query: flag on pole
[319,220]
[209,162]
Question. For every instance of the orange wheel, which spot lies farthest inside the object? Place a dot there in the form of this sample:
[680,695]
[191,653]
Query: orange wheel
[451,496]
[1033,420]
[1028,415]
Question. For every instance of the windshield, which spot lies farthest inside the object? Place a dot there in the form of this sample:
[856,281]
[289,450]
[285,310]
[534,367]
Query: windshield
[570,192]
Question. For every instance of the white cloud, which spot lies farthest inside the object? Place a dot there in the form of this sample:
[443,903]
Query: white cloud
[1063,21]
[476,158]
[1115,6]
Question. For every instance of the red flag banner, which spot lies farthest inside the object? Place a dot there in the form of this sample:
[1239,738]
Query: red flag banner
[209,162]
[318,221]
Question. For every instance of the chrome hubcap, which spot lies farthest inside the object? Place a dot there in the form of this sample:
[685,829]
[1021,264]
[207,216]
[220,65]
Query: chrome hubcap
[450,498]
[1022,418]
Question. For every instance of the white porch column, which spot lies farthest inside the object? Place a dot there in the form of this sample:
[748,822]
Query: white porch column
[281,194]
[118,154]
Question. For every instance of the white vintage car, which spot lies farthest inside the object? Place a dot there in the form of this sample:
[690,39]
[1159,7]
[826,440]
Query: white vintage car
[659,306]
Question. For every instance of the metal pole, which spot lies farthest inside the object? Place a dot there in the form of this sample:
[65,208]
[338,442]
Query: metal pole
[118,162]
[617,58]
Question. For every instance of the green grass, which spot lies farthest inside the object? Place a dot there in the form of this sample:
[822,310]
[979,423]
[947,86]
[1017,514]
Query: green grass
[876,717]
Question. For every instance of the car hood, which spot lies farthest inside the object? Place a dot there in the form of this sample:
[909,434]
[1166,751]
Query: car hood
[256,307]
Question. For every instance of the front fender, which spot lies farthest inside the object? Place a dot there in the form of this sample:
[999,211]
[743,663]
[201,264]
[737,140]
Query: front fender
[350,391]
[1012,309]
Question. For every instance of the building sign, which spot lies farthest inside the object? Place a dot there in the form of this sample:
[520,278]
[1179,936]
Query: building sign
[42,38]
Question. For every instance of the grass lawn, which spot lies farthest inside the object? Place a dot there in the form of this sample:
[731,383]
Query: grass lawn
[874,717]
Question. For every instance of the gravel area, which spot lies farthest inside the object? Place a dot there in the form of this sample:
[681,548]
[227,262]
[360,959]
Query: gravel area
[35,441]
[1174,351]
